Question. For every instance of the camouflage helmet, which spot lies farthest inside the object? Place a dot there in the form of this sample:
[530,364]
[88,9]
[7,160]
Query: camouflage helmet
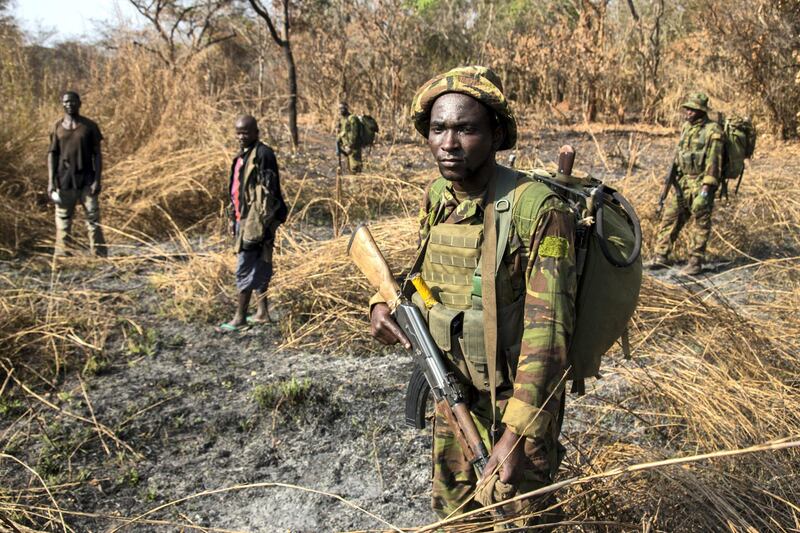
[698,102]
[480,83]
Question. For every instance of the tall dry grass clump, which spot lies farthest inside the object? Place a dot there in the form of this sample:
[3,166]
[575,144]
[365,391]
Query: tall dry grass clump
[48,327]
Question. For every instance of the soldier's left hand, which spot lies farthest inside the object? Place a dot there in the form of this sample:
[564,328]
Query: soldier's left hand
[700,201]
[511,445]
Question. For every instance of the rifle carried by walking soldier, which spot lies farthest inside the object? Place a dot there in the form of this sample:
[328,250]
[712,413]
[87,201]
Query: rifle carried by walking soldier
[430,370]
[671,181]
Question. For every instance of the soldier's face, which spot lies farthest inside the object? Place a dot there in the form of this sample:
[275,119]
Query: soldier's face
[461,137]
[692,114]
[246,134]
[71,104]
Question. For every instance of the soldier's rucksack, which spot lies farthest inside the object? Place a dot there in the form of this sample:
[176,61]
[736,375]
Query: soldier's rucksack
[609,267]
[739,141]
[367,130]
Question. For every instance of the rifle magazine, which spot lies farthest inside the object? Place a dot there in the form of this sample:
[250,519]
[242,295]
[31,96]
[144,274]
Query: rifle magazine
[417,399]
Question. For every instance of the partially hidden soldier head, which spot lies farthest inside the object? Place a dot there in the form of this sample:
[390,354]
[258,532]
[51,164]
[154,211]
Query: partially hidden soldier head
[480,83]
[343,109]
[696,105]
[246,131]
[71,101]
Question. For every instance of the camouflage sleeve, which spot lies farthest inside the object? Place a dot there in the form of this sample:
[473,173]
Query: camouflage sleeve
[713,170]
[349,134]
[548,324]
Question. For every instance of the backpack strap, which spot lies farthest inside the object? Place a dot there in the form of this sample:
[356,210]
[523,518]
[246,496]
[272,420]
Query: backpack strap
[496,228]
[506,181]
[489,294]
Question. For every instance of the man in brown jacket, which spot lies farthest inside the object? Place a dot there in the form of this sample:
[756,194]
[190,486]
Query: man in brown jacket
[257,209]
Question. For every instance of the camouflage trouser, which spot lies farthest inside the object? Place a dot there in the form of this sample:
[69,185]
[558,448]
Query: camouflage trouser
[354,161]
[678,213]
[65,210]
[454,478]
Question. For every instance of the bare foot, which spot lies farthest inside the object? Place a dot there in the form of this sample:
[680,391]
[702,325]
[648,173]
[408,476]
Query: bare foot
[238,321]
[260,318]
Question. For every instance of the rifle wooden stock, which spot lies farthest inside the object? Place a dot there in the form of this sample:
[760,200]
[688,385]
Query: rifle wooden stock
[566,159]
[365,253]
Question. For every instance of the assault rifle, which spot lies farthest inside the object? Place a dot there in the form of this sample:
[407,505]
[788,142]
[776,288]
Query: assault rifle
[339,154]
[738,182]
[671,181]
[430,371]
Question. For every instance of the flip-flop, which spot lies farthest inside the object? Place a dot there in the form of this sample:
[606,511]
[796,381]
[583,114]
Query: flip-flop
[226,327]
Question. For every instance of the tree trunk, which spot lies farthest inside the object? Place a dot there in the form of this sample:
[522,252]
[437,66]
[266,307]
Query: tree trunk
[261,85]
[292,80]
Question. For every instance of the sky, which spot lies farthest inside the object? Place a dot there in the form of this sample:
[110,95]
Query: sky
[71,19]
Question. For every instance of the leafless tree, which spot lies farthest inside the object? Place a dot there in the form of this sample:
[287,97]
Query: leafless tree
[286,47]
[184,28]
[649,52]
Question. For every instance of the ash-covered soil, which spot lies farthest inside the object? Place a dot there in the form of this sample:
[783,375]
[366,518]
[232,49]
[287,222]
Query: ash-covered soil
[191,411]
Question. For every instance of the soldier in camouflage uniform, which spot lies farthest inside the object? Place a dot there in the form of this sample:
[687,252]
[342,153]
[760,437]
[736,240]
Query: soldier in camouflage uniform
[349,140]
[699,163]
[466,120]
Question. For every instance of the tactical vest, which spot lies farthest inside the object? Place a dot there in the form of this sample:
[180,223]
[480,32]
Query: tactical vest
[451,267]
[691,157]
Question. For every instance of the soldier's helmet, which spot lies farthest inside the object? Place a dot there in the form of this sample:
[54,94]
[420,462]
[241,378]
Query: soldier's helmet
[478,82]
[697,101]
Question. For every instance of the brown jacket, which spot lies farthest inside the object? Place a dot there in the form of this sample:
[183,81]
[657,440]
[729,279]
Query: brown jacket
[260,200]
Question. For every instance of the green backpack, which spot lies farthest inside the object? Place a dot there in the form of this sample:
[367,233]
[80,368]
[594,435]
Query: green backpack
[740,143]
[367,131]
[609,266]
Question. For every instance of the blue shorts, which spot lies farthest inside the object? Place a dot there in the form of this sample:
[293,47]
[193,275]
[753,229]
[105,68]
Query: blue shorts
[252,272]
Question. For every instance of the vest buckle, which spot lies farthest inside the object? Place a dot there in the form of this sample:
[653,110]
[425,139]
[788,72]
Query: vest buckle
[502,205]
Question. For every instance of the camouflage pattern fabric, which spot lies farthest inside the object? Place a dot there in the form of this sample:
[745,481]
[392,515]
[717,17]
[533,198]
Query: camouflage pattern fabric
[550,285]
[480,83]
[549,320]
[698,101]
[349,141]
[454,479]
[700,151]
[678,213]
[703,142]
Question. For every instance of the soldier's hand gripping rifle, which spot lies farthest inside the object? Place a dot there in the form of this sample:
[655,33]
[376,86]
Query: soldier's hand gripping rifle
[671,181]
[430,369]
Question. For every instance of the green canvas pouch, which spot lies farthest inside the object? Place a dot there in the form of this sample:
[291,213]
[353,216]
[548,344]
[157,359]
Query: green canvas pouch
[443,323]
